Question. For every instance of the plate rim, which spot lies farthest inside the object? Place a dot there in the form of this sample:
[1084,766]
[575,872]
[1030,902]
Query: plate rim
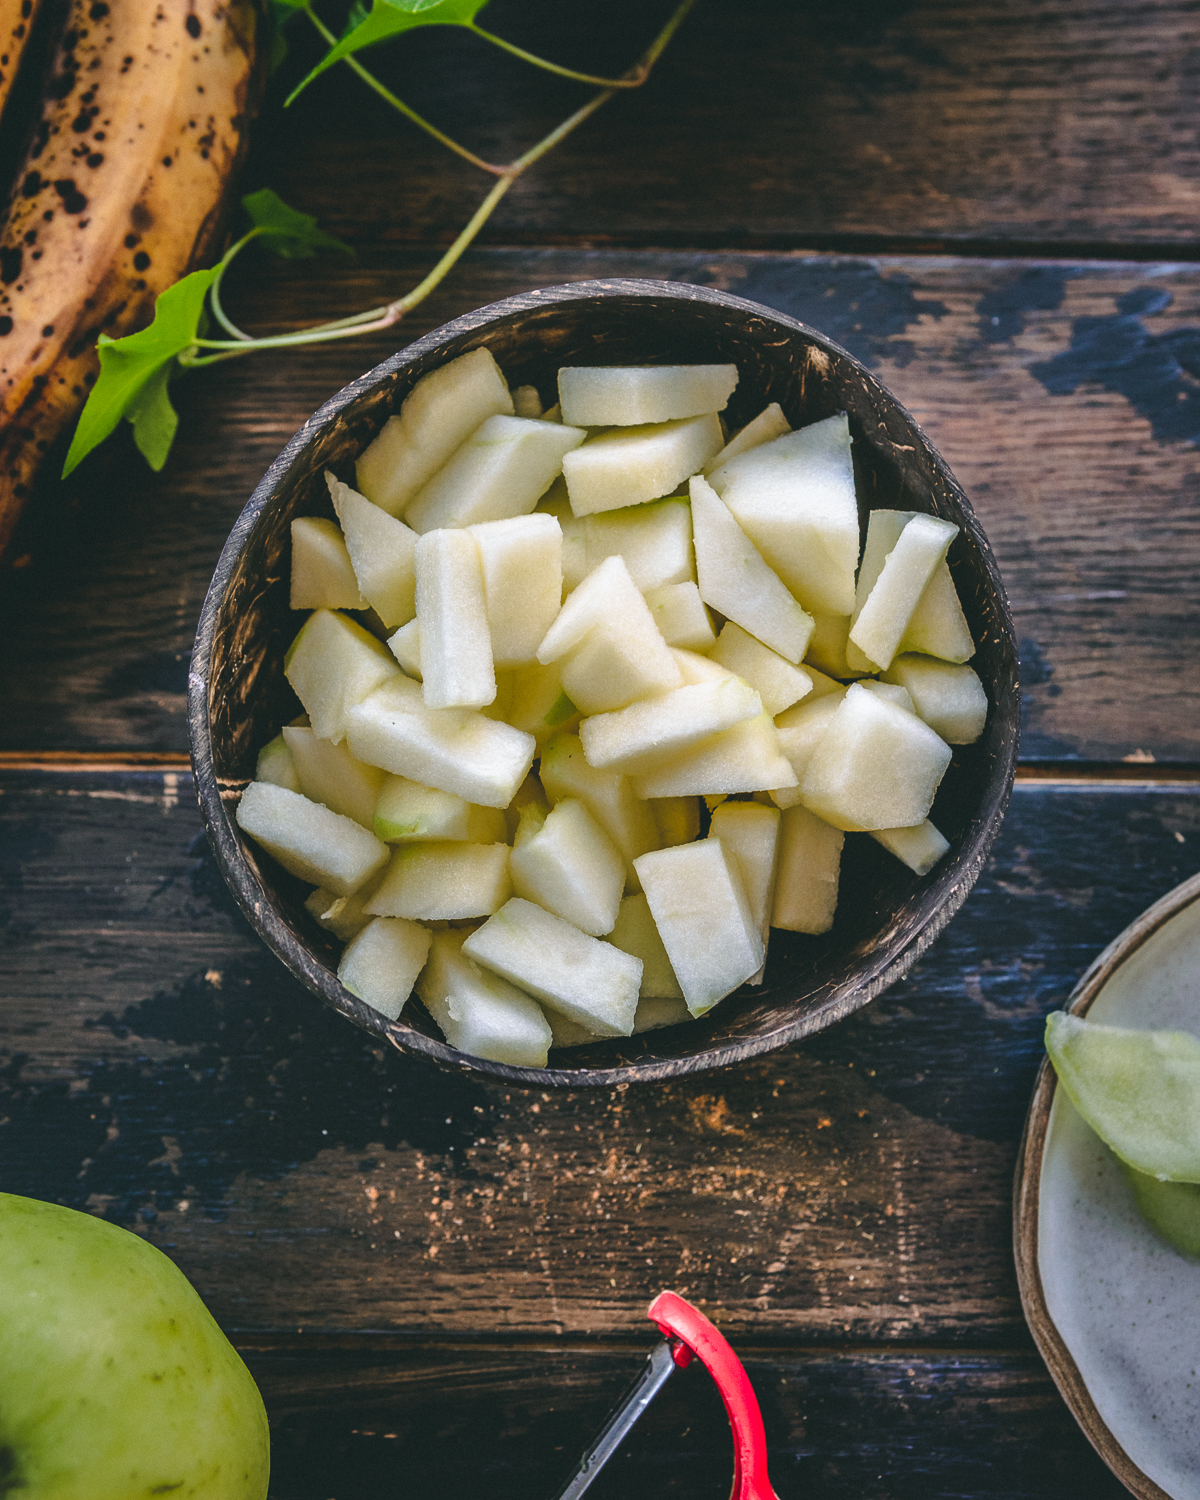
[1027,1189]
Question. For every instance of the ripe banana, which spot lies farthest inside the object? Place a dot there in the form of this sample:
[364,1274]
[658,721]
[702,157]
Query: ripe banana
[16,23]
[144,122]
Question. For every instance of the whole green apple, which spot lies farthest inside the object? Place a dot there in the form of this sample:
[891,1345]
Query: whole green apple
[115,1381]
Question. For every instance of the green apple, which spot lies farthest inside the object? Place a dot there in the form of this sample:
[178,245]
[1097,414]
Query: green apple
[115,1381]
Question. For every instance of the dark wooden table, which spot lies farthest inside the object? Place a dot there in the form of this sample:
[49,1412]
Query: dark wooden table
[441,1284]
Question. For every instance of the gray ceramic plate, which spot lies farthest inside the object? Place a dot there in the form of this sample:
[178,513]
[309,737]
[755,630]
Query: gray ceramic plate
[1115,1311]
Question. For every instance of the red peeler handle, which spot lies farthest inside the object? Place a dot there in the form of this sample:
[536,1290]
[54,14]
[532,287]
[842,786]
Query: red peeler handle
[690,1333]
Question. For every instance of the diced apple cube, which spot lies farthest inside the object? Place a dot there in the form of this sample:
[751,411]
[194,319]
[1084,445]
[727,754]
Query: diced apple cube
[737,582]
[794,498]
[655,540]
[765,428]
[333,664]
[882,615]
[522,583]
[443,881]
[527,402]
[344,916]
[682,616]
[381,964]
[806,882]
[275,764]
[777,682]
[919,847]
[695,668]
[582,977]
[565,862]
[634,395]
[629,465]
[800,730]
[636,933]
[503,469]
[406,811]
[749,834]
[678,820]
[876,766]
[607,795]
[309,840]
[892,692]
[700,909]
[951,699]
[746,758]
[938,626]
[539,705]
[454,750]
[827,647]
[441,411]
[329,774]
[322,573]
[381,552]
[405,646]
[456,645]
[637,739]
[557,503]
[653,1013]
[478,1012]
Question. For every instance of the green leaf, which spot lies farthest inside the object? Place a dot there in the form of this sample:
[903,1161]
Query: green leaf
[154,419]
[279,13]
[286,231]
[389,18]
[128,365]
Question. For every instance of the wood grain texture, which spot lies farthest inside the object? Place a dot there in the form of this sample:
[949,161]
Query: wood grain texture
[159,1066]
[774,123]
[1064,397]
[864,1424]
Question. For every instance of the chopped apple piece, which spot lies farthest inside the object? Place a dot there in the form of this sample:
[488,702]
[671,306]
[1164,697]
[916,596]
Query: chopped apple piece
[646,735]
[746,758]
[882,616]
[735,580]
[777,681]
[333,664]
[695,668]
[527,402]
[275,764]
[607,795]
[827,647]
[381,964]
[454,750]
[406,811]
[682,616]
[765,428]
[636,933]
[700,909]
[892,692]
[381,553]
[582,977]
[405,646]
[678,820]
[329,774]
[441,411]
[443,881]
[794,498]
[564,861]
[308,840]
[876,766]
[529,792]
[920,847]
[478,1012]
[557,503]
[629,465]
[456,645]
[552,413]
[344,916]
[749,834]
[800,730]
[522,583]
[539,705]
[322,573]
[938,626]
[806,883]
[503,469]
[950,699]
[655,540]
[634,395]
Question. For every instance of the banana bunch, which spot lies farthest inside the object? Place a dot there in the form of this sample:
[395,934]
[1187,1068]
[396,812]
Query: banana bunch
[142,123]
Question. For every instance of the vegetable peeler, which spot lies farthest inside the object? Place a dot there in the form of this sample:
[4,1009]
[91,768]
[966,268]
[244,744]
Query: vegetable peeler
[687,1334]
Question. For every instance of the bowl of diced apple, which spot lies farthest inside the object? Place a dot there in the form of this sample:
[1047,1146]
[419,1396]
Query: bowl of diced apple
[613,684]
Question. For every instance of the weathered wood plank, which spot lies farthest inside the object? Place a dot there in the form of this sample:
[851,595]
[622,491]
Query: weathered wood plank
[1064,396]
[157,1064]
[870,1425]
[775,125]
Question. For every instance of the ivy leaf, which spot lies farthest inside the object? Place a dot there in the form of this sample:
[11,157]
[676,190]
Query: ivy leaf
[286,231]
[389,18]
[279,13]
[128,367]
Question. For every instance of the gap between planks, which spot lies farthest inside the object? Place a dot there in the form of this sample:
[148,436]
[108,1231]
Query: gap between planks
[1059,773]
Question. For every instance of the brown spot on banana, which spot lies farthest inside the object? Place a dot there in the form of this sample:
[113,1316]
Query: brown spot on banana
[108,242]
[17,18]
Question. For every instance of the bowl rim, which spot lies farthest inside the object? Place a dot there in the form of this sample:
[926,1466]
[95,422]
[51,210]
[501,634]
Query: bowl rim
[213,795]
